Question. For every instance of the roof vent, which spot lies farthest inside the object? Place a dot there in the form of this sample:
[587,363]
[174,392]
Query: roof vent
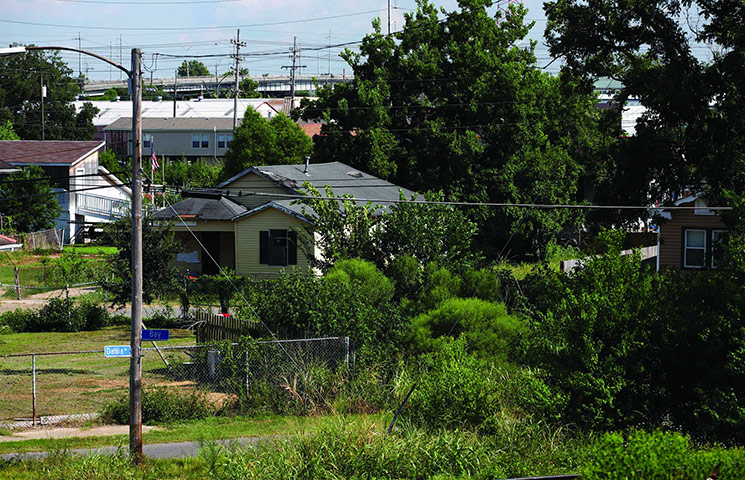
[355,174]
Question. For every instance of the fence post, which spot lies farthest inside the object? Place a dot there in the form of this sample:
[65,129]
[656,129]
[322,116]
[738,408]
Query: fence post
[33,389]
[17,282]
[346,351]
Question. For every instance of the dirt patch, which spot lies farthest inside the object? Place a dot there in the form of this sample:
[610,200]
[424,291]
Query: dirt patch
[219,400]
[69,432]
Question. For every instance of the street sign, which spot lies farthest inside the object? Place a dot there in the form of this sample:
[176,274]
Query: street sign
[117,351]
[155,335]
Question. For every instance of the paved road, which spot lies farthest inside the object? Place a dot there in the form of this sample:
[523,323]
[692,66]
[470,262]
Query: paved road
[155,450]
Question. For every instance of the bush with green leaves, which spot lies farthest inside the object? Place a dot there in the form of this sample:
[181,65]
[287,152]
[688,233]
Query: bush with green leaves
[456,389]
[161,405]
[359,274]
[57,315]
[640,455]
[486,327]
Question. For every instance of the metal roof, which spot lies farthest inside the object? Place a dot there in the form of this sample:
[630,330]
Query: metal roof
[46,152]
[175,124]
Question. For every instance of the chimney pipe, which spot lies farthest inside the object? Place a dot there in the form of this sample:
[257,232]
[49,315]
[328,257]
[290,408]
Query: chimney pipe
[307,161]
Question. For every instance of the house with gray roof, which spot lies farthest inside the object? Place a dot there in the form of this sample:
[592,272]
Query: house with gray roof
[87,193]
[189,137]
[249,222]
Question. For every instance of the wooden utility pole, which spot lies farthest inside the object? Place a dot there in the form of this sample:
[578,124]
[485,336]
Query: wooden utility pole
[43,94]
[135,365]
[175,82]
[292,68]
[389,17]
[238,44]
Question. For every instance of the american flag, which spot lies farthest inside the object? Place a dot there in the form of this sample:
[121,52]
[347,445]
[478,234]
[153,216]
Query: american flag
[154,161]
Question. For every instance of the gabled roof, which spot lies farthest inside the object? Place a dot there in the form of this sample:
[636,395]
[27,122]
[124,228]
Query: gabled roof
[175,124]
[342,178]
[7,168]
[46,153]
[206,207]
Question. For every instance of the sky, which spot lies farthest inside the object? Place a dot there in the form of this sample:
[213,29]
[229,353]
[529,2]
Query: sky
[205,27]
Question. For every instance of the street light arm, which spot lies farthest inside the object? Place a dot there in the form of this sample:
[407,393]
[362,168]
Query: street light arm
[70,49]
[12,50]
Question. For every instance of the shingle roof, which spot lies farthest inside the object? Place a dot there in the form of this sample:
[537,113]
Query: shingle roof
[7,168]
[5,240]
[49,152]
[176,124]
[208,207]
[342,178]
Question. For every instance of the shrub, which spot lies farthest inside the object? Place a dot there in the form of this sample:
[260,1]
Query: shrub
[57,315]
[94,317]
[160,405]
[17,320]
[457,389]
[363,275]
[486,327]
[439,285]
[652,455]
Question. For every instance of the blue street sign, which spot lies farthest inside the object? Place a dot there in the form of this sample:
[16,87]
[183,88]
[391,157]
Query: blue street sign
[118,351]
[155,334]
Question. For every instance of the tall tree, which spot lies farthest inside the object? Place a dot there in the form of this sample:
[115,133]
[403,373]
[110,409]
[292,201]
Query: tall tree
[7,132]
[692,135]
[159,250]
[193,68]
[454,103]
[258,141]
[27,198]
[20,98]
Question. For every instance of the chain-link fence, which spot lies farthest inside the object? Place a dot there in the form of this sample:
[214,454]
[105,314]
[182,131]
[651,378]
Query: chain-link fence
[51,387]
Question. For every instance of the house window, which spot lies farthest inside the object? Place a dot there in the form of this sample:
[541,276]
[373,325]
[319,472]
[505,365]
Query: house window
[278,247]
[694,254]
[200,140]
[223,140]
[146,140]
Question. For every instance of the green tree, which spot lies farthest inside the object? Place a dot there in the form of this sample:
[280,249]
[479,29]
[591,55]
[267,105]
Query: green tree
[20,98]
[453,103]
[159,250]
[258,141]
[248,88]
[7,132]
[692,134]
[193,68]
[27,198]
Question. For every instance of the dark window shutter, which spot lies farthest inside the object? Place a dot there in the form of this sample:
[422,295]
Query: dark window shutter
[264,246]
[292,248]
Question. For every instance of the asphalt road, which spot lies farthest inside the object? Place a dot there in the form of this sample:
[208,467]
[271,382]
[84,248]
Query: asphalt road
[155,450]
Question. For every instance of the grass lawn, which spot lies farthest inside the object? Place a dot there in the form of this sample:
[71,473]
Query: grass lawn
[90,249]
[213,428]
[76,383]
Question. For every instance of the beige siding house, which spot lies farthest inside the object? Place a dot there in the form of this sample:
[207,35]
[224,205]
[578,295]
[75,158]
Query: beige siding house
[231,226]
[689,239]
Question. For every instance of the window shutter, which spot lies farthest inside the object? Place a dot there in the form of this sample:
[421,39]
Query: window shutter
[264,246]
[292,248]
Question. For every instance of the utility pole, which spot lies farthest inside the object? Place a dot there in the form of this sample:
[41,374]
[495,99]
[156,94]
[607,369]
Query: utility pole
[43,94]
[238,44]
[175,81]
[135,365]
[328,72]
[389,17]
[292,68]
[80,62]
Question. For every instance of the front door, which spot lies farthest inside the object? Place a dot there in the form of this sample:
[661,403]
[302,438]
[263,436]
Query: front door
[211,242]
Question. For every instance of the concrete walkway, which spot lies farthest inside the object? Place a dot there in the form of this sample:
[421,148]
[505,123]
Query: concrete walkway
[155,450]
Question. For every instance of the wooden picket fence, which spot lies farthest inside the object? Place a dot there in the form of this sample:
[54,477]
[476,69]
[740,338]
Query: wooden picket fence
[213,327]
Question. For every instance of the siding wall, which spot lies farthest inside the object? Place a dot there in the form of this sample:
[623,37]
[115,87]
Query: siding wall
[671,234]
[255,183]
[247,240]
[170,143]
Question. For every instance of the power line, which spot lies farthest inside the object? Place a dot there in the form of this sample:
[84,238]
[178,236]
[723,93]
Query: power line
[223,27]
[64,177]
[63,192]
[148,2]
[541,206]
